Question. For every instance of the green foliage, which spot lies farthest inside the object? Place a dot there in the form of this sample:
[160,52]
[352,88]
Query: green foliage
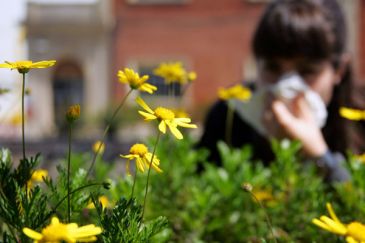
[191,201]
[23,205]
[211,206]
[124,222]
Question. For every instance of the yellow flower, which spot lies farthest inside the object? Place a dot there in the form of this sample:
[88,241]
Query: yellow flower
[73,113]
[354,231]
[96,148]
[263,195]
[128,76]
[166,118]
[352,114]
[236,92]
[25,66]
[104,201]
[37,176]
[360,158]
[174,72]
[58,232]
[140,153]
[16,119]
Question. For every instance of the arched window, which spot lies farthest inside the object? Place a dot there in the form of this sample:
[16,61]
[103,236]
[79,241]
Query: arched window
[67,90]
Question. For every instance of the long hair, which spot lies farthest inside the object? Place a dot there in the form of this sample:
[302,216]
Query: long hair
[314,30]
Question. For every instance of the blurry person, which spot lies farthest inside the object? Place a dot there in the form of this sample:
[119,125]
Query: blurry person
[304,77]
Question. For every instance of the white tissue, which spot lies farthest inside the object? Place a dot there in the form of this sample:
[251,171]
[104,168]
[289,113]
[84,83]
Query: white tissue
[287,88]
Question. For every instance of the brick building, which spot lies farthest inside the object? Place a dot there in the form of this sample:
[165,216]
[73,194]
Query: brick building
[211,37]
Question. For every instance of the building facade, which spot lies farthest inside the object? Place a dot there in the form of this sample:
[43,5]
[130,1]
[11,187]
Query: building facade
[78,35]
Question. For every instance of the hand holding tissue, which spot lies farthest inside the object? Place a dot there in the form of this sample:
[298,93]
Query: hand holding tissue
[288,87]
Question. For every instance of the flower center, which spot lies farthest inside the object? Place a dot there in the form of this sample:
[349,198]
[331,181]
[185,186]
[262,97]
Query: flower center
[139,149]
[164,114]
[55,233]
[136,82]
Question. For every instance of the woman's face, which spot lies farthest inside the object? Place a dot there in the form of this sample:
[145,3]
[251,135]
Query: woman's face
[319,75]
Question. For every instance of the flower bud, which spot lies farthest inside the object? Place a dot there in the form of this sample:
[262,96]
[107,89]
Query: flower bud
[73,113]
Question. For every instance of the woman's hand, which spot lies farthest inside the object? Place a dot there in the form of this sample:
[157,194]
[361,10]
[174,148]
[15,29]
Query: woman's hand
[298,123]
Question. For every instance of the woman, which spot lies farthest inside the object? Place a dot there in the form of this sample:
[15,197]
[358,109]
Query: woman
[305,37]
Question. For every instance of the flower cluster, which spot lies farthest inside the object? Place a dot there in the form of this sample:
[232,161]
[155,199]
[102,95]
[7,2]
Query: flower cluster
[354,232]
[174,72]
[238,92]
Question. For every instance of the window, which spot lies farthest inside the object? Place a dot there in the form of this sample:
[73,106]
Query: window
[163,89]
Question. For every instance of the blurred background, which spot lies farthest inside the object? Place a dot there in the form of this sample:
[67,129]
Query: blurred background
[93,39]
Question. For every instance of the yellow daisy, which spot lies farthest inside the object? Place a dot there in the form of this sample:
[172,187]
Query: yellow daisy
[140,153]
[352,114]
[73,113]
[128,76]
[37,176]
[354,232]
[174,72]
[98,147]
[235,92]
[104,201]
[25,66]
[166,118]
[58,232]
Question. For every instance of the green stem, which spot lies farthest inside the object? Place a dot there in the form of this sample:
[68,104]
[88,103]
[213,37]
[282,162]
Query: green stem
[68,174]
[149,172]
[229,124]
[266,215]
[134,182]
[64,198]
[23,130]
[106,131]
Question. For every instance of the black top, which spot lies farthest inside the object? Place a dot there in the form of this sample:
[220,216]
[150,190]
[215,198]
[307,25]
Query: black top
[243,133]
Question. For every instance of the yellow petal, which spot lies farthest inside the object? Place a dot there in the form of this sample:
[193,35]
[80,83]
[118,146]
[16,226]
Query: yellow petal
[6,65]
[127,168]
[143,104]
[352,114]
[43,64]
[162,127]
[322,225]
[32,234]
[147,116]
[175,131]
[139,164]
[336,227]
[332,213]
[349,239]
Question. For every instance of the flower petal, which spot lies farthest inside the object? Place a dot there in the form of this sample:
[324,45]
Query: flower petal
[6,65]
[162,127]
[332,213]
[143,104]
[175,131]
[32,234]
[147,116]
[43,64]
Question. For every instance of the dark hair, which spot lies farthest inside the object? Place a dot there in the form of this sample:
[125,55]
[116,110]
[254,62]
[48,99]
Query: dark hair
[314,30]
